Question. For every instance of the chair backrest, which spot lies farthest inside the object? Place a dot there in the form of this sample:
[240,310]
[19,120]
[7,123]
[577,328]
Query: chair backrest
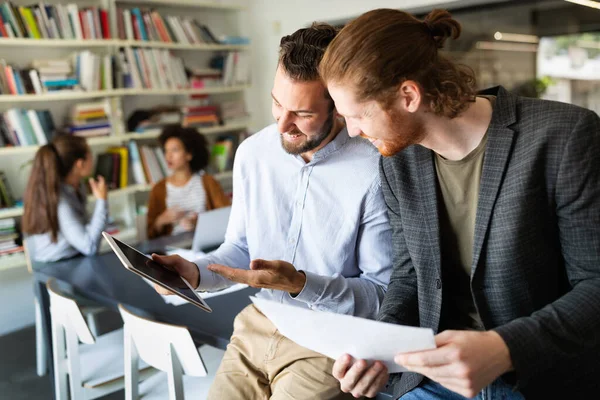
[68,329]
[27,253]
[155,342]
[210,229]
[65,312]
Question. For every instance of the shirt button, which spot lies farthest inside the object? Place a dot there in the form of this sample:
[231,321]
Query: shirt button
[438,283]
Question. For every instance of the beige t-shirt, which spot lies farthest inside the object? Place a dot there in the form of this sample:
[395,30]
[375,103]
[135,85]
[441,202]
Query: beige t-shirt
[459,183]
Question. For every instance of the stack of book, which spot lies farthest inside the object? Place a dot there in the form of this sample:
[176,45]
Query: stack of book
[9,237]
[51,75]
[233,111]
[152,69]
[47,21]
[149,25]
[20,127]
[234,40]
[113,166]
[159,119]
[202,79]
[84,70]
[200,116]
[90,119]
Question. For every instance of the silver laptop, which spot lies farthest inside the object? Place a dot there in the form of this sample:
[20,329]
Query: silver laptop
[210,229]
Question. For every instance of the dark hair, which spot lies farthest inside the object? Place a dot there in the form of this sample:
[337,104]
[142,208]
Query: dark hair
[51,165]
[383,48]
[300,53]
[193,142]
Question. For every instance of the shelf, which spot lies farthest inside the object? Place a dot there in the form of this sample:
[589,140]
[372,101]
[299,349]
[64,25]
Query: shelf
[216,5]
[67,43]
[213,130]
[104,140]
[25,42]
[18,150]
[23,98]
[186,91]
[10,261]
[11,212]
[182,46]
[117,139]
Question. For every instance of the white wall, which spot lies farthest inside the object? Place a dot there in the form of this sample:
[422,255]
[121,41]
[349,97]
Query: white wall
[266,21]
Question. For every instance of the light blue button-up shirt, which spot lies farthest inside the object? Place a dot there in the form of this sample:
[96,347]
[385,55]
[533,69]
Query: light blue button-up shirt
[76,234]
[327,217]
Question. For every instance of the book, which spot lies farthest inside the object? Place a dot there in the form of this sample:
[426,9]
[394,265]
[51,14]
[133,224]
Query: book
[136,163]
[104,168]
[123,154]
[7,198]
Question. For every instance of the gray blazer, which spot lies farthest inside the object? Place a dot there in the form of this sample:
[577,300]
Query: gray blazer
[536,255]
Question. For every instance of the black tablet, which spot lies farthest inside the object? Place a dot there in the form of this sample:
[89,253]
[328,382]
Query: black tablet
[144,266]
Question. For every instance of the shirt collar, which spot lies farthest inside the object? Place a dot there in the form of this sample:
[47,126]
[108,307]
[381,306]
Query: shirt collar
[337,143]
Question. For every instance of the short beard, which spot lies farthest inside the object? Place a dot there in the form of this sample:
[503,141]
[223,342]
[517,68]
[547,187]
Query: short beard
[313,143]
[408,132]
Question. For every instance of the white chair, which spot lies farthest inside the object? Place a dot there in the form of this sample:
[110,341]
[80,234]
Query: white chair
[90,313]
[92,369]
[168,348]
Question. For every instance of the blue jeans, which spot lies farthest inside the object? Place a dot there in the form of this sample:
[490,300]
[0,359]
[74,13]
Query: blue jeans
[430,390]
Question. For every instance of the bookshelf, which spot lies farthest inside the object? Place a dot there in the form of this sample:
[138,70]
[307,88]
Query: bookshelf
[82,95]
[88,43]
[184,3]
[182,46]
[222,17]
[118,139]
[26,42]
[58,96]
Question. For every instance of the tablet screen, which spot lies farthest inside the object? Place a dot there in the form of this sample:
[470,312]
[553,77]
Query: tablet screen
[150,268]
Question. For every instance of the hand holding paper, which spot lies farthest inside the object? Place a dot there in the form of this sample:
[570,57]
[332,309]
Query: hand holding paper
[334,335]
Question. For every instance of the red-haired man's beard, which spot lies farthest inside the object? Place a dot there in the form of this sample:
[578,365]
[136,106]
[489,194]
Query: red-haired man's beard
[401,132]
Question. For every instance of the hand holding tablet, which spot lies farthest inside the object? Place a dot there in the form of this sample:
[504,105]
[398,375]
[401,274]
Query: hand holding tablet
[165,277]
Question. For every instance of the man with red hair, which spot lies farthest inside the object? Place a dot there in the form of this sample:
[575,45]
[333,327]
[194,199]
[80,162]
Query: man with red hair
[494,202]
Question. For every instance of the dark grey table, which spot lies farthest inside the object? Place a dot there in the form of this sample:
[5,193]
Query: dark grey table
[103,279]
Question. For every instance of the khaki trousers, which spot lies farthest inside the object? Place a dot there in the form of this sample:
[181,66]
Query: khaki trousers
[260,363]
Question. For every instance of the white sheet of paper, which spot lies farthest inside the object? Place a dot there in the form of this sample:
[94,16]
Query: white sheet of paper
[188,254]
[335,334]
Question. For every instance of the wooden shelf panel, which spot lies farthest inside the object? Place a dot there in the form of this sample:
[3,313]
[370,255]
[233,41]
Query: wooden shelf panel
[31,98]
[56,96]
[182,46]
[117,139]
[26,42]
[74,43]
[216,5]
